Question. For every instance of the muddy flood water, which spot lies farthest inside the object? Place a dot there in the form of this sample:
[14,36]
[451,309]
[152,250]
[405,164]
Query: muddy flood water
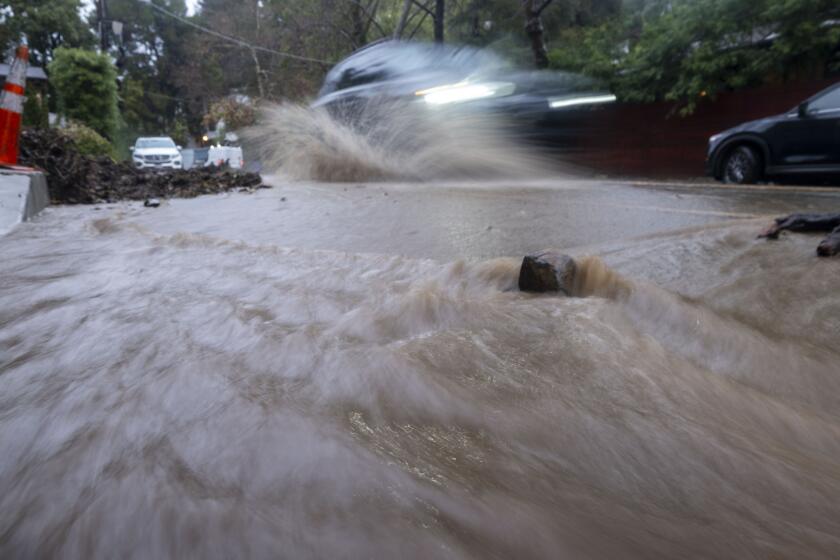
[347,371]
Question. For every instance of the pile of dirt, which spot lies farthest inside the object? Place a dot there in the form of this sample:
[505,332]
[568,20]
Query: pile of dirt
[76,179]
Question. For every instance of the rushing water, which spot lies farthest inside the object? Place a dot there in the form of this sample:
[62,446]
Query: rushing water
[387,139]
[172,390]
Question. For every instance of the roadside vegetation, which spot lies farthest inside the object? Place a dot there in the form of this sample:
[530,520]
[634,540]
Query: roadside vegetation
[688,50]
[87,141]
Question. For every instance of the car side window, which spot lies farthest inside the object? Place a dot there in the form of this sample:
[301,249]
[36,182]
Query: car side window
[828,102]
[357,77]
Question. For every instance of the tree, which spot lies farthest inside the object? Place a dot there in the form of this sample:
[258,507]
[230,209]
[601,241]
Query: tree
[46,24]
[688,50]
[85,83]
[534,29]
[440,13]
[150,54]
[413,16]
[243,66]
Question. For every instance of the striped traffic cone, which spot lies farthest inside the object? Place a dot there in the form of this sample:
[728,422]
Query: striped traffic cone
[11,107]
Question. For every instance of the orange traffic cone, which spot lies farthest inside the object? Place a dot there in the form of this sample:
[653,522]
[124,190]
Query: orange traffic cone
[11,107]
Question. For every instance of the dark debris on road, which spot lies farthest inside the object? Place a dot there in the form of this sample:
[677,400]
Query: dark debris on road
[828,247]
[73,178]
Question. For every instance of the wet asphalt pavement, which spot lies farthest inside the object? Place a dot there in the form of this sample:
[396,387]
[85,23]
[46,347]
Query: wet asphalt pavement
[472,220]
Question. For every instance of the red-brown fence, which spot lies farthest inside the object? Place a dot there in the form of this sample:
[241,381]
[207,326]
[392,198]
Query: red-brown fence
[643,140]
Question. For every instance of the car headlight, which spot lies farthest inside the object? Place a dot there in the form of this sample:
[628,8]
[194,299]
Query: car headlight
[573,100]
[464,91]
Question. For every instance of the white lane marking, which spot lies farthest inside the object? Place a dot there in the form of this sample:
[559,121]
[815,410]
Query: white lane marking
[828,190]
[718,213]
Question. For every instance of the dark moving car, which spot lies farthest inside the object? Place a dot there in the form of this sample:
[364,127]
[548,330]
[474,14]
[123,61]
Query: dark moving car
[805,140]
[435,75]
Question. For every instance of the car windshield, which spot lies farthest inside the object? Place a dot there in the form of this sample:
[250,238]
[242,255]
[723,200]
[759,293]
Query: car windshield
[829,101]
[155,143]
[392,60]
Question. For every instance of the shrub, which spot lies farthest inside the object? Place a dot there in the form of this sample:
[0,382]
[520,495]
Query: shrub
[86,86]
[88,141]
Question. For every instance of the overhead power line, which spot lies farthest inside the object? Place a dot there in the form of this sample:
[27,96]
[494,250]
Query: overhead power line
[231,38]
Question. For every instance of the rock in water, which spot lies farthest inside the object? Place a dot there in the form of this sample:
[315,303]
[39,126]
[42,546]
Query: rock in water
[830,245]
[151,203]
[549,271]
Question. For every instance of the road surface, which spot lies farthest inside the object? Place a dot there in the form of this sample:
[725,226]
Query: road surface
[472,220]
[348,371]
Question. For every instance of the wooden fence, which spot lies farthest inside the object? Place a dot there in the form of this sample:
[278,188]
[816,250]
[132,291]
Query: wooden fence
[647,140]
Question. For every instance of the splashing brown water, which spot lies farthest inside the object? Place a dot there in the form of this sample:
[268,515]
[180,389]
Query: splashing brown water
[172,394]
[594,278]
[392,140]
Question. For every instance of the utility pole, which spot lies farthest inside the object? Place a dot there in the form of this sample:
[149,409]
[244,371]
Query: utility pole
[100,18]
[439,9]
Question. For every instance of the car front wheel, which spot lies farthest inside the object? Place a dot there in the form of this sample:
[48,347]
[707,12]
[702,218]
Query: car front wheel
[742,166]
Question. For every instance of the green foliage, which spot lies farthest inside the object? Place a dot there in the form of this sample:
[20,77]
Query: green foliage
[36,113]
[179,132]
[85,83]
[151,55]
[687,50]
[88,141]
[144,110]
[46,24]
[124,139]
[593,51]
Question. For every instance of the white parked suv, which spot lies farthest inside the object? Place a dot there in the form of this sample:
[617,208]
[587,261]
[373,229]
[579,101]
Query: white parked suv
[156,153]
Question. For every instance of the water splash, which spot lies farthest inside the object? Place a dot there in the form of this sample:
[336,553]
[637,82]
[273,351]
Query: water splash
[389,140]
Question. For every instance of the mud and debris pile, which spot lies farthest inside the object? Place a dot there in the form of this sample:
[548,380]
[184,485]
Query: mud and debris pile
[74,178]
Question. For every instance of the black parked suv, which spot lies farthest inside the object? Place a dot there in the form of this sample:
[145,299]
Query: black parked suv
[804,140]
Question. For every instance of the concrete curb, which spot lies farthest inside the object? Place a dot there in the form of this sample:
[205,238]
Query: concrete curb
[22,195]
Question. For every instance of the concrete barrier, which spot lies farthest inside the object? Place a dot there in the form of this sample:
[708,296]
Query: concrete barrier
[22,196]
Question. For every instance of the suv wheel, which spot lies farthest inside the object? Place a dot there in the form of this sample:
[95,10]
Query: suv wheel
[742,166]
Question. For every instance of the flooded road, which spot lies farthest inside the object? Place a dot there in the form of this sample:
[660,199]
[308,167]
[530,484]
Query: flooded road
[348,371]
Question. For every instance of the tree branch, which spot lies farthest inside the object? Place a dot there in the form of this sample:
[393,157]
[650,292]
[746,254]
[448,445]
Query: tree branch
[371,16]
[423,7]
[398,31]
[374,7]
[542,7]
[419,25]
